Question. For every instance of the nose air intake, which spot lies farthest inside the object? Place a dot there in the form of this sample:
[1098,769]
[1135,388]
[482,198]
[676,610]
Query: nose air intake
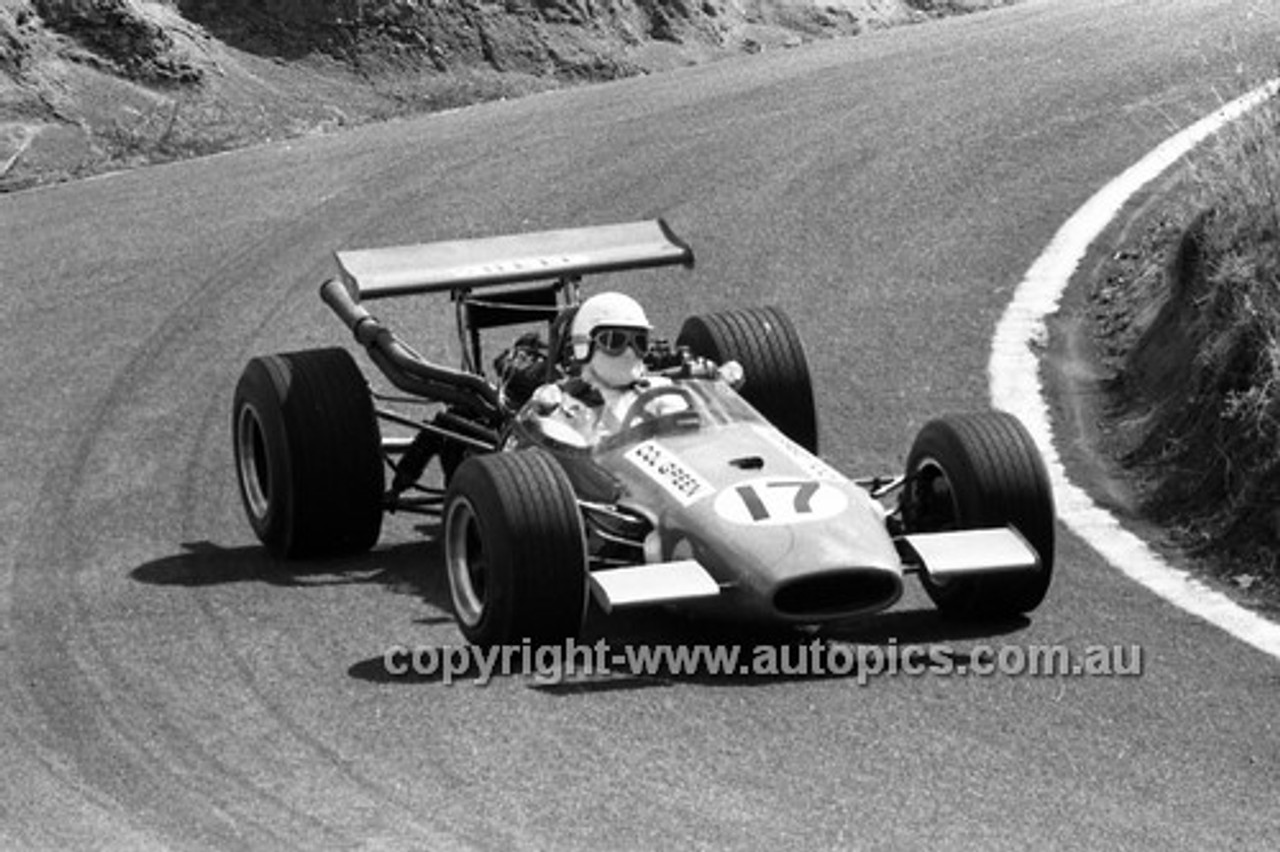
[835,593]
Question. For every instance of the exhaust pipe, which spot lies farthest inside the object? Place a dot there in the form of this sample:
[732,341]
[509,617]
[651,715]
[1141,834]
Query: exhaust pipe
[404,367]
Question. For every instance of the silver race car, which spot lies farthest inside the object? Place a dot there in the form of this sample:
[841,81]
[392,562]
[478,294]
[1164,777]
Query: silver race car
[711,495]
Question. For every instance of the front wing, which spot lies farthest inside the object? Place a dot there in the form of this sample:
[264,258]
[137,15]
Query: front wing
[943,556]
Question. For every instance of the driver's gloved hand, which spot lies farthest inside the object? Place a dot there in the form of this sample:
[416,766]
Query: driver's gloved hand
[732,374]
[546,399]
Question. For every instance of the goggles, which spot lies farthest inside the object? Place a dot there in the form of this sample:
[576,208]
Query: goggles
[614,341]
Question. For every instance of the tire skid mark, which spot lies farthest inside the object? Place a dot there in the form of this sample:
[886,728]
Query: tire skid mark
[48,634]
[54,626]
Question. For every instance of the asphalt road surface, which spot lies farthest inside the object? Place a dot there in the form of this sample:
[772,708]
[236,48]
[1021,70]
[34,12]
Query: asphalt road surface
[167,686]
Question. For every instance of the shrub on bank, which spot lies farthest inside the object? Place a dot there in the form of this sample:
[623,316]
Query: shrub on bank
[1198,381]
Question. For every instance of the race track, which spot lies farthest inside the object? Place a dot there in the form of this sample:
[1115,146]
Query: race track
[168,686]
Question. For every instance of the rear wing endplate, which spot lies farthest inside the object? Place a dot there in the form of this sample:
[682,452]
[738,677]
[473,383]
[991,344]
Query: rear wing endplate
[517,258]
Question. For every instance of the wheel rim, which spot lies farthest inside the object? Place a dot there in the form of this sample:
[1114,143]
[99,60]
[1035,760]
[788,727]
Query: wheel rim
[936,509]
[252,462]
[466,563]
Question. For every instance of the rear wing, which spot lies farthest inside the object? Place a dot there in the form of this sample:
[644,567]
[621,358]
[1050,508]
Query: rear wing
[517,258]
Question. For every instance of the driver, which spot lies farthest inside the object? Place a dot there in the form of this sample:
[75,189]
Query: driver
[609,337]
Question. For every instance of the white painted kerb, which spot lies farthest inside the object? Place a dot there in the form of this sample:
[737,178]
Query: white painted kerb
[1016,387]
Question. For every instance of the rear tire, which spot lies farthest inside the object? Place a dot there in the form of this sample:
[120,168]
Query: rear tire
[515,550]
[975,471]
[777,381]
[308,454]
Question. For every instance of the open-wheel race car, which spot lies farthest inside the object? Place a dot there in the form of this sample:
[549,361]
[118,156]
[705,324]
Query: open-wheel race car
[706,493]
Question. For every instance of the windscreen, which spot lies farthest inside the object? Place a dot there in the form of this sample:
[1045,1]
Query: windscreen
[679,408]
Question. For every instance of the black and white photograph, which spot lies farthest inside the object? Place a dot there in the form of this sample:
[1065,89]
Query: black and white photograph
[640,425]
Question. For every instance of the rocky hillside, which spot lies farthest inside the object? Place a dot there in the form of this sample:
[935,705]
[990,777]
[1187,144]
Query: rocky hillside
[90,85]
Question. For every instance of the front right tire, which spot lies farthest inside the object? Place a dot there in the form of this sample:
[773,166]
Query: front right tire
[308,454]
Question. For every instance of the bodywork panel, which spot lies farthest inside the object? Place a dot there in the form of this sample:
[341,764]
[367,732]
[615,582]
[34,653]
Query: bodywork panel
[783,534]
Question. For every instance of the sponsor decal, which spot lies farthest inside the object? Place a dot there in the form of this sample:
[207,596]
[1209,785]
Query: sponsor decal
[665,468]
[777,500]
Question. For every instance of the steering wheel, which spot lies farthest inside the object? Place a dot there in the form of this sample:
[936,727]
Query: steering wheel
[686,417]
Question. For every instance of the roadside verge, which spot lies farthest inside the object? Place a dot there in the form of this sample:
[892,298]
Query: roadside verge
[1014,371]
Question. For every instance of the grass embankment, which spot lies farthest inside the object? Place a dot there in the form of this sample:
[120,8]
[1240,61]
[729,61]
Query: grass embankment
[1189,317]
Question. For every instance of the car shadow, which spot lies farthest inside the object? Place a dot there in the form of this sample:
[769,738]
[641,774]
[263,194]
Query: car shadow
[411,568]
[656,648]
[909,642]
[646,648]
[921,626]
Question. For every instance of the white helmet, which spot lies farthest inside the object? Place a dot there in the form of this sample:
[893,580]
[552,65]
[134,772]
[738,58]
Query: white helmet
[604,310]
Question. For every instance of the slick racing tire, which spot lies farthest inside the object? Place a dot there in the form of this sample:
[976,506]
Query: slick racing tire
[974,471]
[515,550]
[765,343]
[308,454]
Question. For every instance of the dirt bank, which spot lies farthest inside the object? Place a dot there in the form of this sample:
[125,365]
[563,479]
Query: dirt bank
[1186,314]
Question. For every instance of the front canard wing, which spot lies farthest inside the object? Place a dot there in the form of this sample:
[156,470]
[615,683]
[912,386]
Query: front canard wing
[658,582]
[944,555]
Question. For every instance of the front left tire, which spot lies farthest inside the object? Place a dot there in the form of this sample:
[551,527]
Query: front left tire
[777,381]
[515,550]
[982,470]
